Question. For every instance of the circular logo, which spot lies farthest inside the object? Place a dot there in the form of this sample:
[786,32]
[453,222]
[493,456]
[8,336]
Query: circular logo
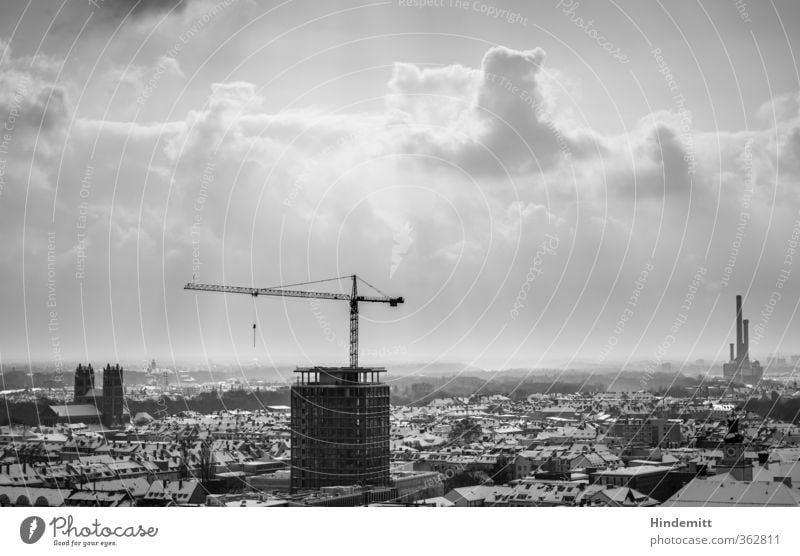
[31,529]
[731,452]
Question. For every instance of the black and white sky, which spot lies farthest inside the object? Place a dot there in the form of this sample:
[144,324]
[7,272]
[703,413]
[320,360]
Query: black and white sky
[546,182]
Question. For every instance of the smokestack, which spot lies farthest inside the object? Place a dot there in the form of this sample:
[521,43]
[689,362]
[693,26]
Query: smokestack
[746,339]
[732,355]
[739,344]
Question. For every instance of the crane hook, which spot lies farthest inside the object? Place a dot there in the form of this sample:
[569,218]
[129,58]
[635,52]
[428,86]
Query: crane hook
[254,320]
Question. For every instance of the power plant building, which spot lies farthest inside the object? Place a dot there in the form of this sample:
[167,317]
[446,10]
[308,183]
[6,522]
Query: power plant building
[740,368]
[340,428]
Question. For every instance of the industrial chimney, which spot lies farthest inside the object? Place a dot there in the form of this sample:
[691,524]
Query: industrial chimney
[746,339]
[732,354]
[739,342]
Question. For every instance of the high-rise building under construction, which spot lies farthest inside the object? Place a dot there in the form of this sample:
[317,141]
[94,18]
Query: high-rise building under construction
[340,428]
[740,368]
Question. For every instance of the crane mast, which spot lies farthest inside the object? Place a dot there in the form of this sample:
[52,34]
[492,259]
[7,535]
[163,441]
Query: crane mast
[353,298]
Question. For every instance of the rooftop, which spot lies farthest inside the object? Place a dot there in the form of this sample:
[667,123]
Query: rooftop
[77,411]
[729,492]
[634,471]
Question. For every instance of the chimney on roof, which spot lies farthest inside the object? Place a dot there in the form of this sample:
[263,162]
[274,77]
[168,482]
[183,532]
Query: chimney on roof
[739,343]
[732,354]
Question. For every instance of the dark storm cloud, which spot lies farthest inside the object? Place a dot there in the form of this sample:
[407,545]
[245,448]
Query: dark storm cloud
[118,9]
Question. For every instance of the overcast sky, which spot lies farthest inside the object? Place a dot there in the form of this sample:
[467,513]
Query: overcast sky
[544,182]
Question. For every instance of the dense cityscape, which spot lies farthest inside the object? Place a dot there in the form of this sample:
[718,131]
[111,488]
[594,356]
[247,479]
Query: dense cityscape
[730,440]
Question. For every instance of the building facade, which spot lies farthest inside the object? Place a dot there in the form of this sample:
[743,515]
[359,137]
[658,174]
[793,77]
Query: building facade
[653,432]
[340,428]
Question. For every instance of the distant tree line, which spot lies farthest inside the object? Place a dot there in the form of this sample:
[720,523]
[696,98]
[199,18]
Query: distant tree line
[208,402]
[775,407]
[415,391]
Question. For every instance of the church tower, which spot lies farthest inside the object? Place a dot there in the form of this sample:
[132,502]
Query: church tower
[113,396]
[84,384]
[733,460]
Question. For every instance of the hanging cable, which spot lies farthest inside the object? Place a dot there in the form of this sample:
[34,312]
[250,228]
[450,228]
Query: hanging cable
[309,283]
[371,286]
[254,320]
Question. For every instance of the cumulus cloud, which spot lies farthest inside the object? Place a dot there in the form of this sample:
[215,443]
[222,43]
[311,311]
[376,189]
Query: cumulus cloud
[27,92]
[480,162]
[500,117]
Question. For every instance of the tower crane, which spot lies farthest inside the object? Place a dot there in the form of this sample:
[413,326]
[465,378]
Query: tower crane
[353,298]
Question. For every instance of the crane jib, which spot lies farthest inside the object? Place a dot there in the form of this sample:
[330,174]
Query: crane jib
[393,301]
[353,298]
